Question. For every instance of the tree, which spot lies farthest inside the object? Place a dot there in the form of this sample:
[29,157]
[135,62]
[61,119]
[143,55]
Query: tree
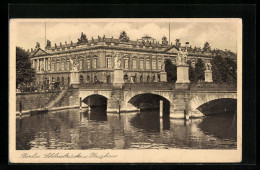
[199,70]
[171,70]
[192,75]
[24,73]
[123,37]
[224,69]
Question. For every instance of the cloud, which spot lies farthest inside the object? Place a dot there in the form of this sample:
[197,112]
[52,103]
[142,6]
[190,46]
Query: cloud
[219,35]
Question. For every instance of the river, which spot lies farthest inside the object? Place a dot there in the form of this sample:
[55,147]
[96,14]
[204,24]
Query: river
[75,130]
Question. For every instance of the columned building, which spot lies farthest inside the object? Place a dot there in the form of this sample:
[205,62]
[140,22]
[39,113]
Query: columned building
[141,60]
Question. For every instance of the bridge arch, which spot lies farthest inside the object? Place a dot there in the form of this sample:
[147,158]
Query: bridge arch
[95,100]
[203,98]
[149,101]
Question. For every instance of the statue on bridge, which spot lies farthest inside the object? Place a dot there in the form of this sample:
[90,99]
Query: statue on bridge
[208,65]
[74,65]
[182,57]
[117,62]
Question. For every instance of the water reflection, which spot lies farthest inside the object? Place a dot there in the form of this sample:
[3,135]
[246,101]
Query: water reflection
[74,129]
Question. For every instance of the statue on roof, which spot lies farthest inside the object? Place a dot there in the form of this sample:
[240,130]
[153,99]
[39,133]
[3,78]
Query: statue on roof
[37,45]
[48,45]
[82,39]
[164,41]
[123,37]
[178,43]
[55,45]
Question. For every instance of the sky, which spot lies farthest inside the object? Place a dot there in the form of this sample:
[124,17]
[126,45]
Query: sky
[221,34]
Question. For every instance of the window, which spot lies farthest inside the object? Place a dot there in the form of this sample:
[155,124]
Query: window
[68,80]
[159,65]
[81,79]
[46,64]
[141,64]
[147,64]
[141,78]
[88,78]
[134,64]
[125,77]
[58,66]
[154,64]
[126,63]
[62,66]
[108,62]
[148,78]
[53,66]
[68,65]
[88,63]
[158,77]
[62,80]
[80,64]
[95,63]
[49,65]
[58,79]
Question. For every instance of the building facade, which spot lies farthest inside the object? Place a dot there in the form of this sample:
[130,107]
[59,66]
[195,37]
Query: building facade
[142,60]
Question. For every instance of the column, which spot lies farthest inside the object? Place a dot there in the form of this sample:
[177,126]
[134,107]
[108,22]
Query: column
[161,108]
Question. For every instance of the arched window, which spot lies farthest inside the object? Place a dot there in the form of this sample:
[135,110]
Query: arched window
[125,77]
[158,78]
[108,62]
[153,78]
[148,78]
[134,64]
[95,62]
[95,79]
[108,78]
[147,64]
[81,79]
[141,64]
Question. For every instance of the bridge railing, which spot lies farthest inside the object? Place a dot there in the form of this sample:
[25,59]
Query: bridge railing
[213,87]
[147,86]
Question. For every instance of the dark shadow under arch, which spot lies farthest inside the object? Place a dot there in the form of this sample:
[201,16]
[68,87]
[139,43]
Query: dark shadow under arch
[219,106]
[95,100]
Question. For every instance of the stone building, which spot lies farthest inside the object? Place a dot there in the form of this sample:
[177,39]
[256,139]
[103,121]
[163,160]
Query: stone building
[141,60]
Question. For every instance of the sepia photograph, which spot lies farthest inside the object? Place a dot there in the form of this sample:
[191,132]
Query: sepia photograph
[125,90]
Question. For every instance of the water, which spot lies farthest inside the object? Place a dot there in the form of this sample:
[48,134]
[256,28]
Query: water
[75,130]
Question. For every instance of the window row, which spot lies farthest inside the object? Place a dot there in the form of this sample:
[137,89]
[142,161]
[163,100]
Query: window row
[46,65]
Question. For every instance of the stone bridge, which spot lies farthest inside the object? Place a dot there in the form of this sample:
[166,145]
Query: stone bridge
[181,103]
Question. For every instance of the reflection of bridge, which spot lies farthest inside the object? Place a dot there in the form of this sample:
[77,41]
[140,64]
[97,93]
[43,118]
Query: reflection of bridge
[178,102]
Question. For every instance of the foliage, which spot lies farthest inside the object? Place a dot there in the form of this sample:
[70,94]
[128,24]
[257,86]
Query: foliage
[24,73]
[199,70]
[224,70]
[171,70]
[192,75]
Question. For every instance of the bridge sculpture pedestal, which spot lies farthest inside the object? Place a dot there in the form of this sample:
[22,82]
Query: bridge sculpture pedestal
[74,79]
[182,77]
[163,76]
[118,78]
[208,76]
